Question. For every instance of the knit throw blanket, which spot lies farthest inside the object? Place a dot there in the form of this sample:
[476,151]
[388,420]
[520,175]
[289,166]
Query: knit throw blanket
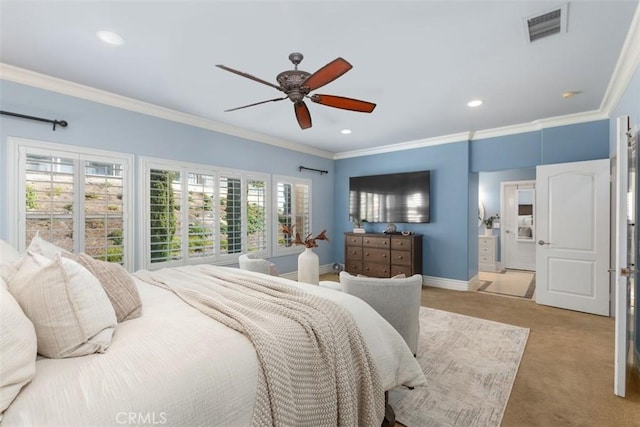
[314,366]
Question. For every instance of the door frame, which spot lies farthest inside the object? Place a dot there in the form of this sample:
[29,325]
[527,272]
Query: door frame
[503,229]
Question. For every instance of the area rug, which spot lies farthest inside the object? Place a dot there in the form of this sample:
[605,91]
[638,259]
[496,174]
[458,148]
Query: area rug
[470,365]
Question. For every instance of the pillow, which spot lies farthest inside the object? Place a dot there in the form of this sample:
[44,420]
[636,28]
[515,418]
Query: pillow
[69,309]
[117,283]
[18,348]
[399,276]
[8,253]
[9,256]
[40,246]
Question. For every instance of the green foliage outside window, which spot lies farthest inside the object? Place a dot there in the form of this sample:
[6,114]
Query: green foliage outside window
[162,213]
[31,197]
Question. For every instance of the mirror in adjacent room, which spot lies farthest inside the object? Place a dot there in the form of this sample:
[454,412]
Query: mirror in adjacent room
[525,205]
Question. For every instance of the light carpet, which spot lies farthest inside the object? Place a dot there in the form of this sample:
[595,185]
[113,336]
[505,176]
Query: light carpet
[470,365]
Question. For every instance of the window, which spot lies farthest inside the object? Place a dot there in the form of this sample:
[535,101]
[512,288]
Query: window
[74,197]
[292,208]
[196,213]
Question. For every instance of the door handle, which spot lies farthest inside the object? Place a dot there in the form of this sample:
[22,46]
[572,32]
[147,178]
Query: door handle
[627,272]
[624,271]
[542,242]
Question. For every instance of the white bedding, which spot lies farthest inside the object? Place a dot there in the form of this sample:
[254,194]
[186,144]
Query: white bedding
[175,366]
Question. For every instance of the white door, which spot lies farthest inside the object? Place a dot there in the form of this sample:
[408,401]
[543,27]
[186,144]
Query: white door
[518,225]
[572,232]
[625,248]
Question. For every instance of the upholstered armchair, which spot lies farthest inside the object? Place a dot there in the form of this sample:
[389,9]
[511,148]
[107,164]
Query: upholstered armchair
[251,262]
[395,299]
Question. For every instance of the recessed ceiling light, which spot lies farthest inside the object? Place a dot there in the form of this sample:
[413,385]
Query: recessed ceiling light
[571,93]
[474,103]
[110,37]
[345,131]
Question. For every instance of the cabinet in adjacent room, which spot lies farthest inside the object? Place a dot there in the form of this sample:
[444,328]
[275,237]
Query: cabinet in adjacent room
[383,255]
[487,253]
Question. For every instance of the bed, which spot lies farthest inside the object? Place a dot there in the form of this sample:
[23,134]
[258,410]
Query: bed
[173,364]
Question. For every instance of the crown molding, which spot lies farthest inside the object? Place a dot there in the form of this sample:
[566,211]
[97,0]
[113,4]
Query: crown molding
[569,119]
[628,63]
[65,87]
[446,139]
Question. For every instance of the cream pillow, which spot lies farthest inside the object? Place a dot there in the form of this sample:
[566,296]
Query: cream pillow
[69,309]
[8,253]
[9,257]
[40,246]
[18,348]
[117,283]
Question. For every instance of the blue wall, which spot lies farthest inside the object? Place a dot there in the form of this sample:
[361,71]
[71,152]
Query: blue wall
[445,245]
[108,128]
[450,242]
[451,239]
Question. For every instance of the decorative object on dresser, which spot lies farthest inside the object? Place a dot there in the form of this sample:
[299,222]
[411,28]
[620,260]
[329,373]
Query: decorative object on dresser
[382,255]
[358,226]
[487,253]
[488,223]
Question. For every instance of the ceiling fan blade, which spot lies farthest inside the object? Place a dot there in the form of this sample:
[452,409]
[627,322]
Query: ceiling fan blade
[327,74]
[256,103]
[302,114]
[344,103]
[249,76]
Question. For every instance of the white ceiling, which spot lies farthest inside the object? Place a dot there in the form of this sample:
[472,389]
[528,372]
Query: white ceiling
[420,61]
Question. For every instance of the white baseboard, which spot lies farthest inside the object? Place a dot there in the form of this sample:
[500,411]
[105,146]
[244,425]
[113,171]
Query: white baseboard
[293,275]
[435,282]
[452,284]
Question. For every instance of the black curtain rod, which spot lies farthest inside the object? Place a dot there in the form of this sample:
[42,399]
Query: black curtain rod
[62,123]
[300,168]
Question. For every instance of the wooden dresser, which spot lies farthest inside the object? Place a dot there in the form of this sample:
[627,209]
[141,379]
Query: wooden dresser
[383,255]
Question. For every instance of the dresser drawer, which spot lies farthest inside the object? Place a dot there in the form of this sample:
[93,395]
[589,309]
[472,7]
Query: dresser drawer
[485,242]
[400,243]
[353,240]
[486,249]
[400,257]
[376,255]
[376,242]
[375,270]
[401,269]
[487,259]
[353,267]
[353,253]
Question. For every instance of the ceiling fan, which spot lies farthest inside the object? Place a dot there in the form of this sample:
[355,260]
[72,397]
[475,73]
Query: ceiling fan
[296,84]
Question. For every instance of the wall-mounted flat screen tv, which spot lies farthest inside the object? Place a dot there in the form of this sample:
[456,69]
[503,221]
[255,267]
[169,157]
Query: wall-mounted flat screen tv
[390,198]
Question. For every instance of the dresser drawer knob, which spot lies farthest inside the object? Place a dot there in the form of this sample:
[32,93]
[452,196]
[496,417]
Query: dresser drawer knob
[400,257]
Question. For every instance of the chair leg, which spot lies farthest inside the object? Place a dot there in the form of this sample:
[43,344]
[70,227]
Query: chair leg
[389,414]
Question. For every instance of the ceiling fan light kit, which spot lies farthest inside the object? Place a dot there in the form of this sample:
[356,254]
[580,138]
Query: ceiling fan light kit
[296,84]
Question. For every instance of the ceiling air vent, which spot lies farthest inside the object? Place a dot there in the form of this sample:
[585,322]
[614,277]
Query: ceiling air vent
[546,24]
